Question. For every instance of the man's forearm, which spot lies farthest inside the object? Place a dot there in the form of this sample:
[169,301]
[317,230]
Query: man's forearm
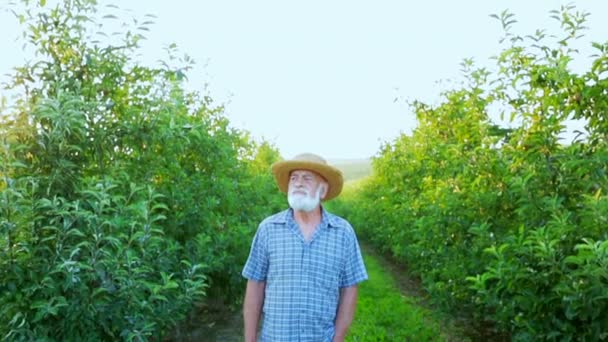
[346,312]
[252,308]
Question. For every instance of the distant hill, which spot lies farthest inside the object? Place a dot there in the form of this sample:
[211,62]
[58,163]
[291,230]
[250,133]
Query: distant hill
[353,169]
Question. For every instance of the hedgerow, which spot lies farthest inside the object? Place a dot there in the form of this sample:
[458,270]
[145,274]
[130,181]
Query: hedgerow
[506,225]
[124,198]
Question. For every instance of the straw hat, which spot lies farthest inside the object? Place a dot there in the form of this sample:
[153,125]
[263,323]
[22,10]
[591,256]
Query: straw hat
[311,162]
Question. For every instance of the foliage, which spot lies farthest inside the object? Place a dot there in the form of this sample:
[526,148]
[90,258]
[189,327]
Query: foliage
[121,194]
[505,225]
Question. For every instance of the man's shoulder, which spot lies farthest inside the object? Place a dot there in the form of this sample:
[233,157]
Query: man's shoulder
[277,218]
[338,222]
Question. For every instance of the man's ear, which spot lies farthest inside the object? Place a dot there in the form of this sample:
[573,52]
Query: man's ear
[324,188]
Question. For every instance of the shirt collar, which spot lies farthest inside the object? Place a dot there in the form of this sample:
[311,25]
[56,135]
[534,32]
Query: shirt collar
[327,219]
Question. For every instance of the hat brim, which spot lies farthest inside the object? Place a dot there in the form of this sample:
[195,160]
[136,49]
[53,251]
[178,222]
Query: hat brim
[282,169]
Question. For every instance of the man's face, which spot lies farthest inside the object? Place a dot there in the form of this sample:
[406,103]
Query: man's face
[305,190]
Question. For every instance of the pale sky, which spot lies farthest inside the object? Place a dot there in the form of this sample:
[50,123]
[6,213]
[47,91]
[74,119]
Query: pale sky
[323,76]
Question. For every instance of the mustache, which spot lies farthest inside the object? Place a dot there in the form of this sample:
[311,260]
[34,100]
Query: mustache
[298,191]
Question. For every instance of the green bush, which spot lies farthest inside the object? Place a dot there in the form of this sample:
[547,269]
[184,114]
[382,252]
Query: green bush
[504,225]
[123,198]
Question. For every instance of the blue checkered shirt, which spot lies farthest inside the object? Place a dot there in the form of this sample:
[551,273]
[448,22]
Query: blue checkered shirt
[303,278]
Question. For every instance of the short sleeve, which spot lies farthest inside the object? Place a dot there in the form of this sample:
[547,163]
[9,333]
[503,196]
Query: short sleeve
[256,267]
[354,270]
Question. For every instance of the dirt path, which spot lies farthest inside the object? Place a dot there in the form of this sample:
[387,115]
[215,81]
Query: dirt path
[216,322]
[212,322]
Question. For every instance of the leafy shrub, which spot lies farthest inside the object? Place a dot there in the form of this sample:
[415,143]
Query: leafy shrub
[504,225]
[121,194]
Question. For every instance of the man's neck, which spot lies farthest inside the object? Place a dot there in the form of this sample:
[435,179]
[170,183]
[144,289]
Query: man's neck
[308,217]
[308,221]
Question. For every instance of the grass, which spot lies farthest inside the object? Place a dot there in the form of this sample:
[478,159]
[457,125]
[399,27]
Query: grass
[384,314]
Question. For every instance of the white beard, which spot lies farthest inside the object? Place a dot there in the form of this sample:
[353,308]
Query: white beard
[301,202]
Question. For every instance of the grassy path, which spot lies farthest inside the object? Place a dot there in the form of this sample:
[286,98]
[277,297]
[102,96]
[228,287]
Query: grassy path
[390,308]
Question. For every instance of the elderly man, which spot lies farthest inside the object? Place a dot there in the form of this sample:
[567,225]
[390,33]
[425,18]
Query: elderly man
[305,263]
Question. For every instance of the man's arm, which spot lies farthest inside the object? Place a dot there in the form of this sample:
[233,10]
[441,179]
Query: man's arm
[252,308]
[346,311]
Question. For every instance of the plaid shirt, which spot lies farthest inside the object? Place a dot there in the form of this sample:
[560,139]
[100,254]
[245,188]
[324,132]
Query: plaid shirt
[303,278]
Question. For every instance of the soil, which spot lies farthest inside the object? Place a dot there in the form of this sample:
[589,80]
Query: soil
[210,321]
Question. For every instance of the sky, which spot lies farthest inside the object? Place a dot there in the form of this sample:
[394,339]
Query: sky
[328,77]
